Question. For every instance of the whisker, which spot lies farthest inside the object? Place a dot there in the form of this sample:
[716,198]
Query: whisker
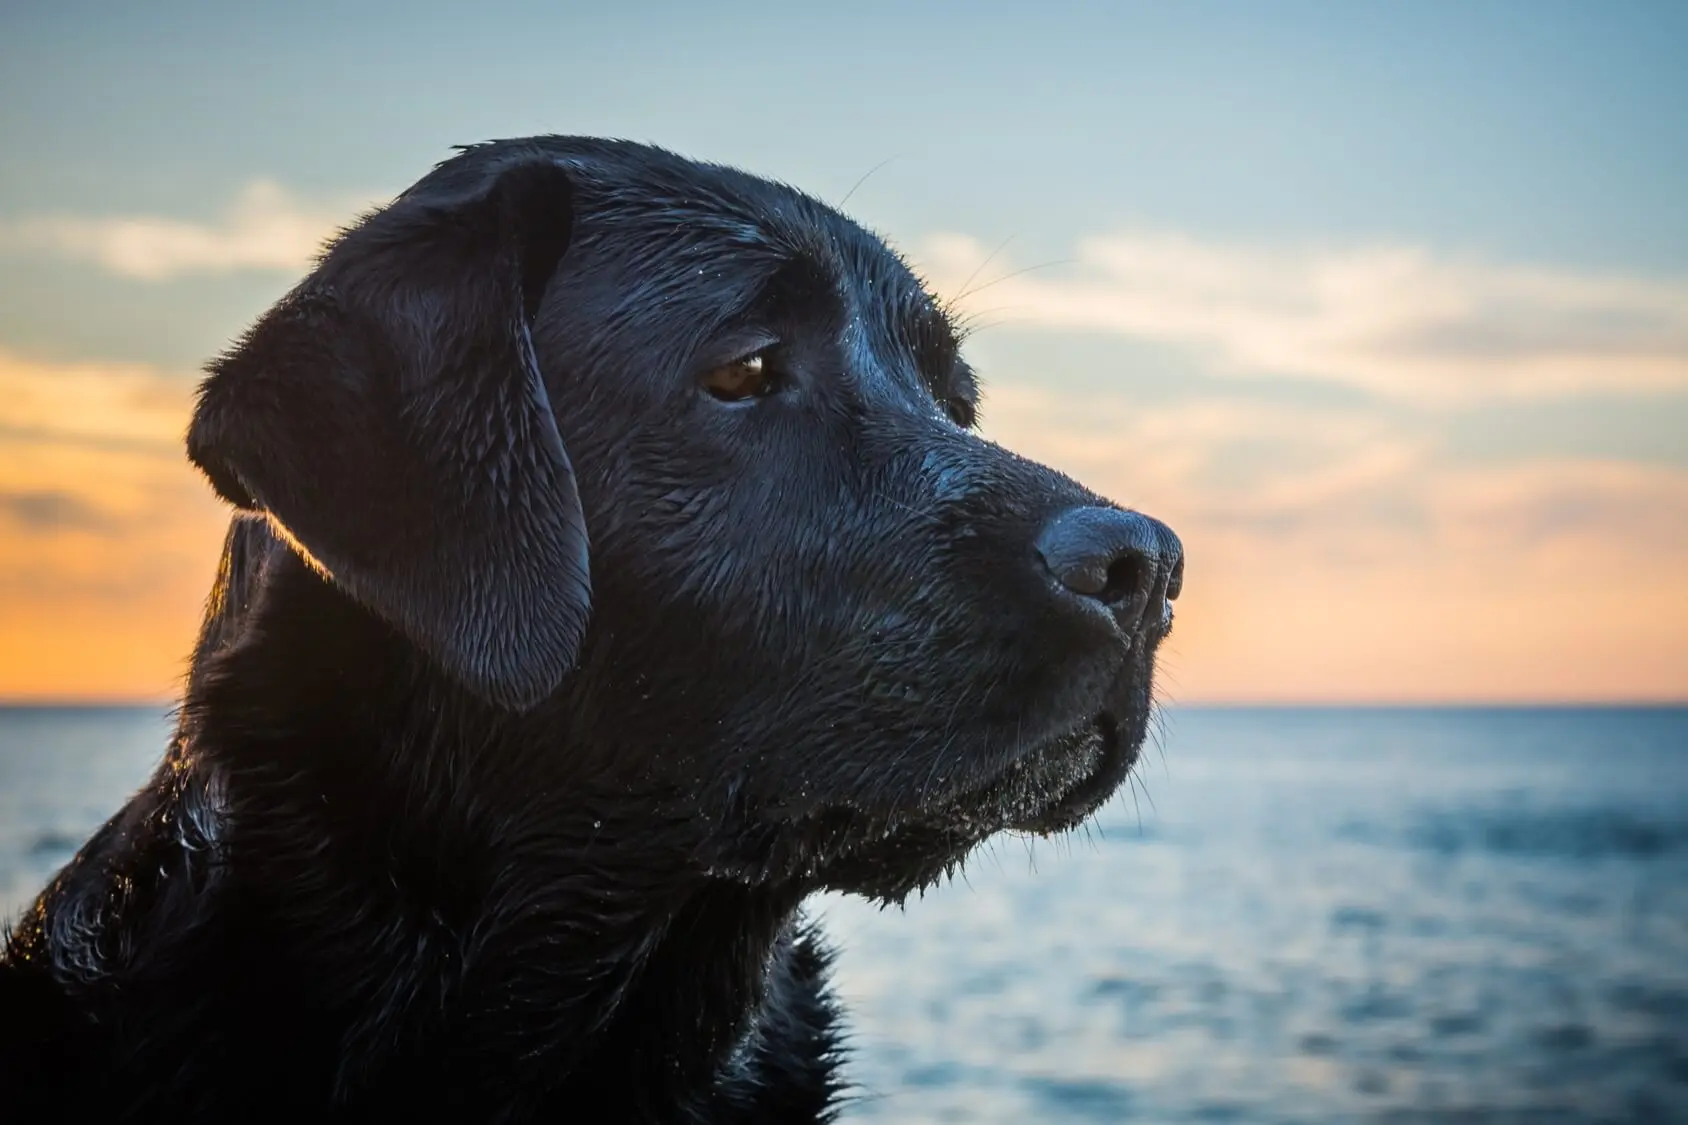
[1147,796]
[866,174]
[929,516]
[1013,274]
[980,268]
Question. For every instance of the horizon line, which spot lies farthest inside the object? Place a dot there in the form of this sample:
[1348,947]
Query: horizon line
[115,703]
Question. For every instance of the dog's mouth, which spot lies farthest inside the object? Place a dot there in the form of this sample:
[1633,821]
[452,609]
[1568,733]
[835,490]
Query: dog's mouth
[1051,788]
[1058,785]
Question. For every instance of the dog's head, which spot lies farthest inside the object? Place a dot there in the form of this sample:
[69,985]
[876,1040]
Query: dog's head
[679,465]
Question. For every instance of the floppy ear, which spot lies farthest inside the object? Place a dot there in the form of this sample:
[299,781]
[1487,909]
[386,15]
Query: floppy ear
[390,418]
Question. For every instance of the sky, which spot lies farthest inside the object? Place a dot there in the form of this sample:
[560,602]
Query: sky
[1383,307]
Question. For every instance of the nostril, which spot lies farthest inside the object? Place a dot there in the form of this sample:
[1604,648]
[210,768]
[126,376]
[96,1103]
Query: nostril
[1175,584]
[1089,577]
[1127,577]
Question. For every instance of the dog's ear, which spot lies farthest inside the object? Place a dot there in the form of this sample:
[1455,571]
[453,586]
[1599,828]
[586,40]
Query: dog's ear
[390,418]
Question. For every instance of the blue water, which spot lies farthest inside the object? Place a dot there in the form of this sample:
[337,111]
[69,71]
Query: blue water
[1321,916]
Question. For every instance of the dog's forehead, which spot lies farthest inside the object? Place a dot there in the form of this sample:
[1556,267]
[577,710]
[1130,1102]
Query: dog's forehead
[670,221]
[695,209]
[711,207]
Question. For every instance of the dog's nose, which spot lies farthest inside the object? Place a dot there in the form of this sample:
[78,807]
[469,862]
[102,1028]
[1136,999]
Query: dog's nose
[1129,562]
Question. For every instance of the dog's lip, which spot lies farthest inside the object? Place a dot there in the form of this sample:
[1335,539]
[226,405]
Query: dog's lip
[1097,763]
[1052,786]
[1055,785]
[1047,790]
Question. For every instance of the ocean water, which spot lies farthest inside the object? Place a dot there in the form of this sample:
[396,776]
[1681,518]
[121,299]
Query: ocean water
[1310,916]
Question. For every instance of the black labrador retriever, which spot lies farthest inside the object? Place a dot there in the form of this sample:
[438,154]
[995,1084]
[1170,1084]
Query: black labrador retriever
[616,566]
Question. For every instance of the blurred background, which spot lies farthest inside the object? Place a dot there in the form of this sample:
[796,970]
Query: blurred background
[1383,307]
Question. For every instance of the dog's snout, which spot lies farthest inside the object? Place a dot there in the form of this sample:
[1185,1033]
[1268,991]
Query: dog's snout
[1132,564]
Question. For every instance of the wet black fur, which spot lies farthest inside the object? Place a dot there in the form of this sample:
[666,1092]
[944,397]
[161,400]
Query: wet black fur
[539,688]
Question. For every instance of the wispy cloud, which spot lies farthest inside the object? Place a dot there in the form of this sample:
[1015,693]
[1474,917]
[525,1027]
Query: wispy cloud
[107,536]
[1339,551]
[1347,477]
[86,448]
[266,227]
[49,509]
[114,404]
[1399,322]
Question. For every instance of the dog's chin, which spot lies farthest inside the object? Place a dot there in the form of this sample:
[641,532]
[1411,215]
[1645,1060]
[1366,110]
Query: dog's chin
[1049,790]
[1062,783]
[888,853]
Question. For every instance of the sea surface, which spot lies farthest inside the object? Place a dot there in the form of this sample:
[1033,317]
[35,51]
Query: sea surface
[1295,915]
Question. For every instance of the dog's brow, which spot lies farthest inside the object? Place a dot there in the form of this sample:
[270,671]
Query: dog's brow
[922,327]
[794,285]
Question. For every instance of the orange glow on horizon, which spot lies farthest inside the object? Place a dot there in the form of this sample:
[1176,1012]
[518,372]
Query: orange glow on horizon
[1297,590]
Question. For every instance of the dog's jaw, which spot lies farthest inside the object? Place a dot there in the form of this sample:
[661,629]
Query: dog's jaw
[887,856]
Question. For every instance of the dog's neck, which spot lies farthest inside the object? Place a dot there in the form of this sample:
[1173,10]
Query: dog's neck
[503,951]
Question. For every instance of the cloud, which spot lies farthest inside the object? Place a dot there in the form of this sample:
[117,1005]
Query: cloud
[108,538]
[1544,503]
[1399,322]
[89,448]
[1223,461]
[1338,552]
[265,228]
[1345,479]
[114,405]
[45,509]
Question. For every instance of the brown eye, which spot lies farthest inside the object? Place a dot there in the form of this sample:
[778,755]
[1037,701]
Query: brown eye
[741,379]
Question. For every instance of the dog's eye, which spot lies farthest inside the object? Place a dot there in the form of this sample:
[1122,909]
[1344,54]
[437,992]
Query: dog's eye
[741,380]
[961,412]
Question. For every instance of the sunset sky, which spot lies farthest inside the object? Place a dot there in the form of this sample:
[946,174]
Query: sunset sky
[1383,307]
